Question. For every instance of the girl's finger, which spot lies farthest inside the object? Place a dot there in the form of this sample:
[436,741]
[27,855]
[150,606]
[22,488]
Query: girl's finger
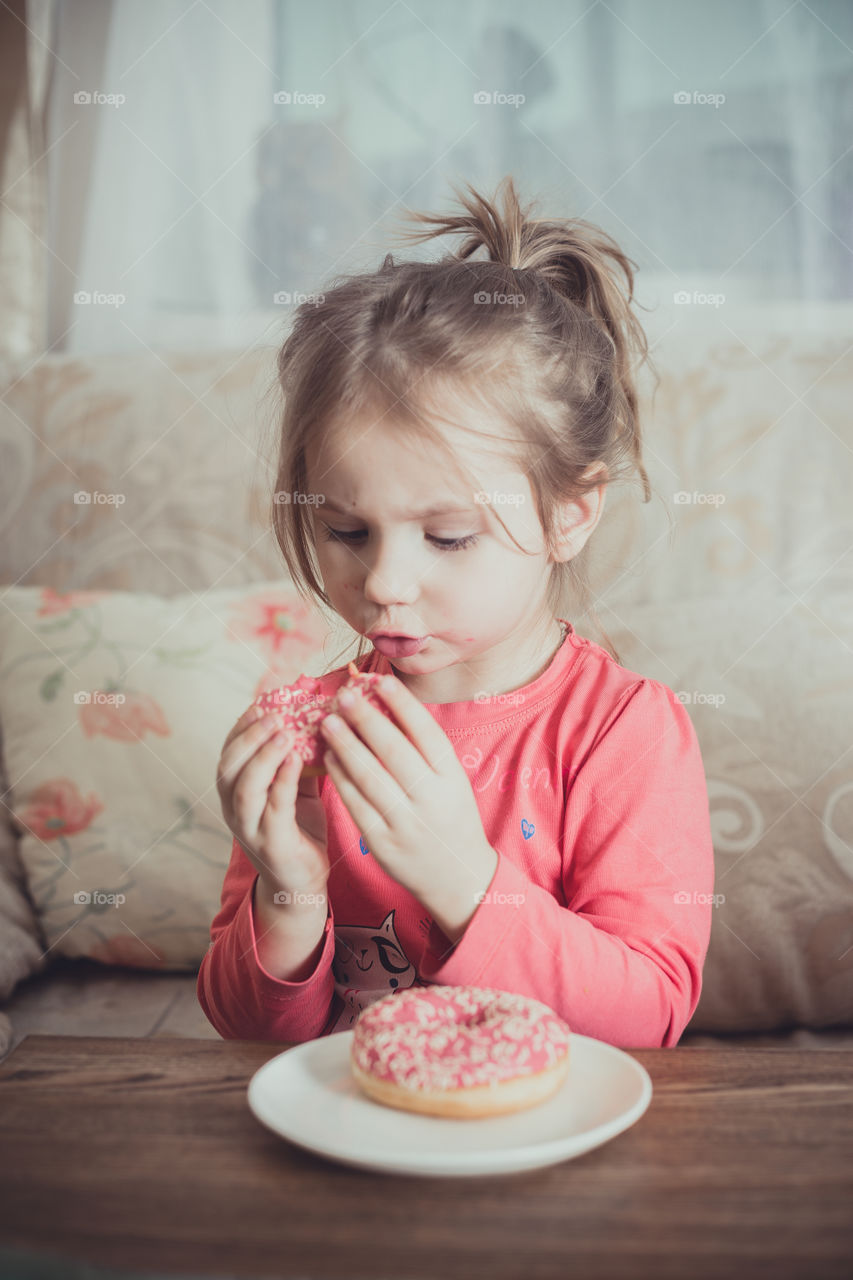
[374,782]
[249,716]
[250,796]
[282,790]
[416,722]
[362,812]
[243,746]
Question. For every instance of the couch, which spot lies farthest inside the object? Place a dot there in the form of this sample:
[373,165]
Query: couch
[145,603]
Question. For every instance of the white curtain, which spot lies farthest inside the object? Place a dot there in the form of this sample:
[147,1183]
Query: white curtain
[714,141]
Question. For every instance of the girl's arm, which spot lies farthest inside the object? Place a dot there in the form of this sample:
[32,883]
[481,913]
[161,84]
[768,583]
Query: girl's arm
[239,994]
[622,960]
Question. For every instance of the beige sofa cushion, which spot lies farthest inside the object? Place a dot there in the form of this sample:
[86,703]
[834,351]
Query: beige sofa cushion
[768,684]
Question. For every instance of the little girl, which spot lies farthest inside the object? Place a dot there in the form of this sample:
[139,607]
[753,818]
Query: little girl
[529,815]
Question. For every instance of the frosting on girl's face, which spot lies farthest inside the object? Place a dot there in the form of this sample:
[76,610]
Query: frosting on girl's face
[454,576]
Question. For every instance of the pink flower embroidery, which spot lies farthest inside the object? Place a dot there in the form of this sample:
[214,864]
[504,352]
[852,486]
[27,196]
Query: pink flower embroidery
[272,623]
[126,950]
[56,809]
[127,721]
[53,602]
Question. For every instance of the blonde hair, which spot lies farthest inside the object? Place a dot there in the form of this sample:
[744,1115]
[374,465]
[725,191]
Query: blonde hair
[557,365]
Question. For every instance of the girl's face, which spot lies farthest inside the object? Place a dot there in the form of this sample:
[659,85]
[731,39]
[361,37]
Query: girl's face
[405,547]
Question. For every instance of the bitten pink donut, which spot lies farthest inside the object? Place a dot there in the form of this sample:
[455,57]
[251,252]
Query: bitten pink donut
[305,705]
[459,1051]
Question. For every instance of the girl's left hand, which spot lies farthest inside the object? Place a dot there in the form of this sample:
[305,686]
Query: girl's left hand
[410,797]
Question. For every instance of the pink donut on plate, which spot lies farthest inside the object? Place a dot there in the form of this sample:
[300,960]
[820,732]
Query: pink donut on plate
[305,706]
[459,1051]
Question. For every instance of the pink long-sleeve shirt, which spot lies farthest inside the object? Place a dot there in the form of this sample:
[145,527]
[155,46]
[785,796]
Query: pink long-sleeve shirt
[591,789]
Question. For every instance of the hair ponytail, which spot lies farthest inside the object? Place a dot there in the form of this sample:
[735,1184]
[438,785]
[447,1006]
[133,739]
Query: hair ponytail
[579,261]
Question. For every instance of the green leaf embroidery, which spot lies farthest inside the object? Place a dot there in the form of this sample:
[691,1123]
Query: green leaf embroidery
[51,685]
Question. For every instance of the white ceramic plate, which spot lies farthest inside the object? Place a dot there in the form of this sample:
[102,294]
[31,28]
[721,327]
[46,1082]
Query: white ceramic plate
[309,1096]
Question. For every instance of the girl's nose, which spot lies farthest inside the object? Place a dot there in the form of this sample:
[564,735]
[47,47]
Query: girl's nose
[391,577]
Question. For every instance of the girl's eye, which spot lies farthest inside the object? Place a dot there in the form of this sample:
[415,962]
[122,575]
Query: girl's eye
[446,544]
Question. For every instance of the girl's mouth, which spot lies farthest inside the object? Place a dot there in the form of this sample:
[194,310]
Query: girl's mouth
[398,646]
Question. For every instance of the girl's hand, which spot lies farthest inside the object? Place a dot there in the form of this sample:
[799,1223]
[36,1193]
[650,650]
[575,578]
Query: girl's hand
[410,797]
[277,818]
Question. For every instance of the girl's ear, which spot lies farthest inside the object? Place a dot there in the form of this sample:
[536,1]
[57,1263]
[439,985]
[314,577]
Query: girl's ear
[577,519]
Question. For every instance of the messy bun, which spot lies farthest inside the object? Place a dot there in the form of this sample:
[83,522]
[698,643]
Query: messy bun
[558,366]
[575,257]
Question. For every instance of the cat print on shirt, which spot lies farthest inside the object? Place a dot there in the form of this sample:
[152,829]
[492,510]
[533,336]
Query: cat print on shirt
[369,962]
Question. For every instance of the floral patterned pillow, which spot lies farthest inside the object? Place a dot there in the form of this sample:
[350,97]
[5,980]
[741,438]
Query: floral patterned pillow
[114,708]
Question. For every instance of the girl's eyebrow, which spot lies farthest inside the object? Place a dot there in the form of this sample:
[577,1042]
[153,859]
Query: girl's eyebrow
[415,515]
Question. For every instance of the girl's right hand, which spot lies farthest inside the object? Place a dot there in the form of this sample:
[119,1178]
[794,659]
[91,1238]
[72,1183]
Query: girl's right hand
[278,819]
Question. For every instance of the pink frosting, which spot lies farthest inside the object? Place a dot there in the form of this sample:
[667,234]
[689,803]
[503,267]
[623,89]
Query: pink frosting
[437,1038]
[305,705]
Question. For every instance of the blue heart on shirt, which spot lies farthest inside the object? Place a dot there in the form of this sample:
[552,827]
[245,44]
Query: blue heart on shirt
[527,828]
[362,846]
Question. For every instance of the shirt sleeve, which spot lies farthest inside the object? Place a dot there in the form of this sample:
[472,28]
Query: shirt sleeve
[622,960]
[239,997]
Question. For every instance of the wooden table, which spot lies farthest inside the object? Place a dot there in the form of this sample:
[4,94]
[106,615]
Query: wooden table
[143,1154]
